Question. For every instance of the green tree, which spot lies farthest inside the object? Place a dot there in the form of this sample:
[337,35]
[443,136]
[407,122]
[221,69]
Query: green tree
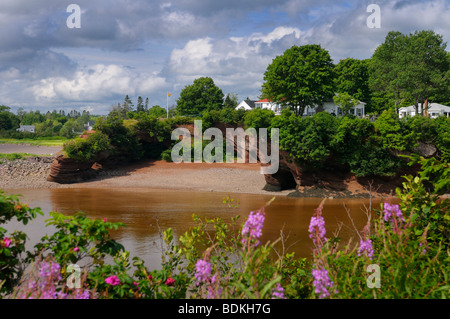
[352,77]
[411,68]
[140,105]
[300,77]
[345,101]
[157,111]
[30,118]
[127,104]
[426,65]
[384,69]
[8,120]
[202,95]
[231,101]
[69,128]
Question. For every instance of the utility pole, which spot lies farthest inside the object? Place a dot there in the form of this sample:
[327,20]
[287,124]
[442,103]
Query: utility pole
[167,106]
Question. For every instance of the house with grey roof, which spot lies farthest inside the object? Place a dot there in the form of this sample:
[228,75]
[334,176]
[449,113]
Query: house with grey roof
[27,128]
[434,110]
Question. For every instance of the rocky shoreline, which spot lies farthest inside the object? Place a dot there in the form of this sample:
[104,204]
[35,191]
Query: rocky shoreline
[33,173]
[30,172]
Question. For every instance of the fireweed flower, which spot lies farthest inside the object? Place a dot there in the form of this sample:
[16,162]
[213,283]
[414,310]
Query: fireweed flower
[321,282]
[84,295]
[203,271]
[365,246]
[253,227]
[44,282]
[392,212]
[316,228]
[50,270]
[113,280]
[278,292]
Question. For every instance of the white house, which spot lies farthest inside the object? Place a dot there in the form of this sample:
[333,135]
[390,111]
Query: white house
[358,110]
[246,105]
[27,128]
[269,105]
[261,104]
[434,110]
[328,106]
[89,126]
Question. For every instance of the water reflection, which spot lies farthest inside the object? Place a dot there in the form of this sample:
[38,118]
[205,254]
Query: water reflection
[139,209]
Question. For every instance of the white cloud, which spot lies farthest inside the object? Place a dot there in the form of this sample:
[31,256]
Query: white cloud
[97,83]
[236,63]
[231,41]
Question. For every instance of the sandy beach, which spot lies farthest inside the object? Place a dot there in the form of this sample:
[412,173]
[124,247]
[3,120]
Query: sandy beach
[32,173]
[216,177]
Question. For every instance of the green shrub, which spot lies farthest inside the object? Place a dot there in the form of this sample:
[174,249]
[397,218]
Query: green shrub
[87,150]
[394,133]
[408,244]
[443,137]
[258,118]
[308,140]
[12,246]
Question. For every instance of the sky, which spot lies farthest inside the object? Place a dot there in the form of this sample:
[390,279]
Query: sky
[150,48]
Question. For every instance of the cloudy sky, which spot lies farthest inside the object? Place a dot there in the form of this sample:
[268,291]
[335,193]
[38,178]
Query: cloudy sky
[151,47]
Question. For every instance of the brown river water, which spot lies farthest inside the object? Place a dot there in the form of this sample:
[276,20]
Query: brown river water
[140,208]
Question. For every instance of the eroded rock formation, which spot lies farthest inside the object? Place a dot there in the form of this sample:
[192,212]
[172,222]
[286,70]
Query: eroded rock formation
[66,171]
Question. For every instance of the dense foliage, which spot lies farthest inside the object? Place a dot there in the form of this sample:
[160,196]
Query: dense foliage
[364,147]
[322,141]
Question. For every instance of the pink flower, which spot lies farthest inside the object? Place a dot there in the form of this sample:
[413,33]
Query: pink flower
[112,280]
[391,212]
[150,277]
[7,242]
[253,227]
[170,281]
[104,219]
[365,246]
[203,271]
[317,228]
[321,282]
[76,249]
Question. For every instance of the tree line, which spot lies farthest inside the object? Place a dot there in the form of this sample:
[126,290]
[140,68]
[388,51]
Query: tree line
[57,123]
[407,69]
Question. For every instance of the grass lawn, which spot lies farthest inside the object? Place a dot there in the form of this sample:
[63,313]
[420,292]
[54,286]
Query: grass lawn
[35,142]
[14,156]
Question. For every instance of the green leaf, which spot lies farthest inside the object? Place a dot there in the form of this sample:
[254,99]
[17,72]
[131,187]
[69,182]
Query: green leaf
[269,286]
